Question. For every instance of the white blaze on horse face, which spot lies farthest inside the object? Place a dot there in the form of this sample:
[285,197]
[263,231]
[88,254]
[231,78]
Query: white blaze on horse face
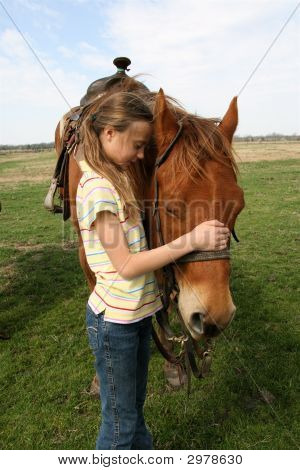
[198,299]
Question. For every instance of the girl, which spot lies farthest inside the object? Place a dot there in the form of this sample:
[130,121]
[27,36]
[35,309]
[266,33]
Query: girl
[125,297]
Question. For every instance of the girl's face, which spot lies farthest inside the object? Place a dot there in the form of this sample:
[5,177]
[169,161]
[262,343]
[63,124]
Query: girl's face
[127,146]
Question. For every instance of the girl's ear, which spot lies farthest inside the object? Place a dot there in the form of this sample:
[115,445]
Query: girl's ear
[229,122]
[165,124]
[107,133]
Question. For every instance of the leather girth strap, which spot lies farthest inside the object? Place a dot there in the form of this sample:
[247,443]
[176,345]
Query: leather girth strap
[61,173]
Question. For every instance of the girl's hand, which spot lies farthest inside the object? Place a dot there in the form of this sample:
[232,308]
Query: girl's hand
[211,235]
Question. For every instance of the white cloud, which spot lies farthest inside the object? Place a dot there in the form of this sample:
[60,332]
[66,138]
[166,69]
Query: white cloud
[39,7]
[66,52]
[12,45]
[30,103]
[87,56]
[91,58]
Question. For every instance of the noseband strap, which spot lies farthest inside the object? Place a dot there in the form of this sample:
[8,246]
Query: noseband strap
[204,256]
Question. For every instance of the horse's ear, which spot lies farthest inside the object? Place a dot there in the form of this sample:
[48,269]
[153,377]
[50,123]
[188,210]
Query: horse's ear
[229,122]
[164,121]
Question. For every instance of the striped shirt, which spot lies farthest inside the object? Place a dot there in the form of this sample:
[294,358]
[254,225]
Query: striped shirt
[124,301]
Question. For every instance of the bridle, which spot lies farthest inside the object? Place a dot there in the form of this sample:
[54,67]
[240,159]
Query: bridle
[186,359]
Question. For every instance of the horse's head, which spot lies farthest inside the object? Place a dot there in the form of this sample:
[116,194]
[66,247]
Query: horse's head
[198,182]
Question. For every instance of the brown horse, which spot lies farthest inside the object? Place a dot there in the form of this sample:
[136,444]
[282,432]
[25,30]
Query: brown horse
[197,183]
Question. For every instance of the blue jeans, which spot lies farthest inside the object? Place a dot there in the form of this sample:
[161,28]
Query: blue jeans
[122,354]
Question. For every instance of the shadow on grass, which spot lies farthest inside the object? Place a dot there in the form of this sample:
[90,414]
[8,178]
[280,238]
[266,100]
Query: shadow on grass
[36,281]
[46,366]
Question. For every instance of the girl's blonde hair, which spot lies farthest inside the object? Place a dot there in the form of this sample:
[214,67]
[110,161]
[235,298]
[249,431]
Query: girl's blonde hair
[118,110]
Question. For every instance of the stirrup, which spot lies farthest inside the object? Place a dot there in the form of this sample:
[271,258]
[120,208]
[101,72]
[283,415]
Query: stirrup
[49,199]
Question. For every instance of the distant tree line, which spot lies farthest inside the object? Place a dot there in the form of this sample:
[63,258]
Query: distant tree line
[267,138]
[28,147]
[249,138]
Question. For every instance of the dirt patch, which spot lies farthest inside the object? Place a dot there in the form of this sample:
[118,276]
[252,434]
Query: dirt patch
[28,167]
[26,179]
[266,151]
[8,273]
[28,172]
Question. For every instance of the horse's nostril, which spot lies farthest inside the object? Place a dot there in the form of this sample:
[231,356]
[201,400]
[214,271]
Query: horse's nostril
[212,330]
[196,322]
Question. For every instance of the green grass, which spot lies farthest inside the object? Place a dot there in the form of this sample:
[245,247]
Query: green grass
[47,367]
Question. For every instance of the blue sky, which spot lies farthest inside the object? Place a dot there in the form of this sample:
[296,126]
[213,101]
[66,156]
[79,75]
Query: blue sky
[201,52]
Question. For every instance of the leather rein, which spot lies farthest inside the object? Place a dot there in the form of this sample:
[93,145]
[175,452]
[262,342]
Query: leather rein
[189,348]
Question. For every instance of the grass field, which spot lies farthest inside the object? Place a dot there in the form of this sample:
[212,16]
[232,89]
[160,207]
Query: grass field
[251,399]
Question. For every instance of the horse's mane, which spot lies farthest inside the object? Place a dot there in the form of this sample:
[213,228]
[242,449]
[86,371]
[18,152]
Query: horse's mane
[201,139]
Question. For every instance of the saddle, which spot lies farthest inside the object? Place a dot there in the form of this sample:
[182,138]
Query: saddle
[60,177]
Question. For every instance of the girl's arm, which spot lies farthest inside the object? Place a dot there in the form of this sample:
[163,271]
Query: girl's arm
[210,235]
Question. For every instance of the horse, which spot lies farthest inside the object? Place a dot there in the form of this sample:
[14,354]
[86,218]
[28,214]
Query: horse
[197,182]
